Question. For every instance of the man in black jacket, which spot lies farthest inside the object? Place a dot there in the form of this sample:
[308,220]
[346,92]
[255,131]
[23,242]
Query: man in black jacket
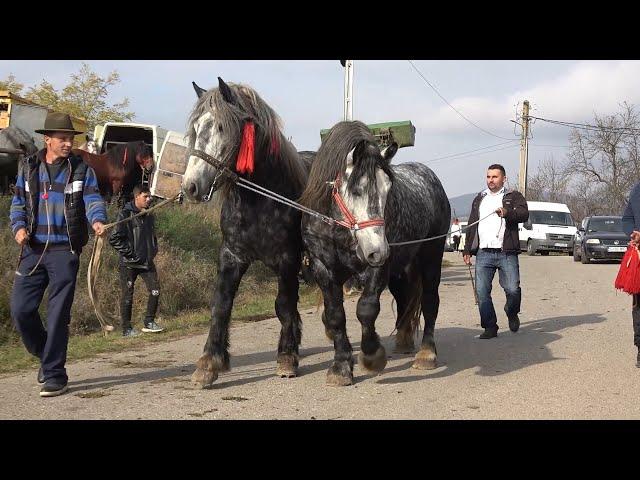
[137,245]
[496,245]
[631,226]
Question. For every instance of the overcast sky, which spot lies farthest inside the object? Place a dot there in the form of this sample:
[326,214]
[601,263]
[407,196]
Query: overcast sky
[308,96]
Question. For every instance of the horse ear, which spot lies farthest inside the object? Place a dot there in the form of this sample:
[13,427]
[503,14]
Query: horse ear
[356,153]
[199,91]
[226,91]
[389,152]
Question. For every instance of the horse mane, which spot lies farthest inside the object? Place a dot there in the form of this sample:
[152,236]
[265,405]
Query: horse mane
[13,137]
[248,105]
[331,160]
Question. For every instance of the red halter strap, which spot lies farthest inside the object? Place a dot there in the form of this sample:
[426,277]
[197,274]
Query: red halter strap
[124,159]
[350,221]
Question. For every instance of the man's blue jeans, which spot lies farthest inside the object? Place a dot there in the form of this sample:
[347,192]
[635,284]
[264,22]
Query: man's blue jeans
[487,262]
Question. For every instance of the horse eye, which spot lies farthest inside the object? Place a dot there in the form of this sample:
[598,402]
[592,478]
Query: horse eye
[220,128]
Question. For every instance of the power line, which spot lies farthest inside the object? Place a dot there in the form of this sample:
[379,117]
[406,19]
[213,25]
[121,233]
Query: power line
[452,107]
[585,126]
[471,151]
[433,160]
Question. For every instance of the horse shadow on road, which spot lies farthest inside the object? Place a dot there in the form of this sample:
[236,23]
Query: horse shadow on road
[460,349]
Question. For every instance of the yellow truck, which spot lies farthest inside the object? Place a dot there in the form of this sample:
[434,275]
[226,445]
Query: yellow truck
[22,113]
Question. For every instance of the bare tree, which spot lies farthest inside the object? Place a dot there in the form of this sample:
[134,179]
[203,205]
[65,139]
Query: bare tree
[608,156]
[550,182]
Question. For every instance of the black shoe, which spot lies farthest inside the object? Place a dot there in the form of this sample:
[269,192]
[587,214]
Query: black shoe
[53,388]
[40,376]
[489,333]
[514,323]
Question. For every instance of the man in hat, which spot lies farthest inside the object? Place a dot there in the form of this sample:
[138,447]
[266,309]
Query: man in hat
[55,194]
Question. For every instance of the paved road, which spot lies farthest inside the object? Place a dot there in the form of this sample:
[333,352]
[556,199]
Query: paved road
[573,358]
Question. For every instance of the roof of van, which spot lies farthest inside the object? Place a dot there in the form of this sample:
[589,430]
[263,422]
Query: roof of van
[548,206]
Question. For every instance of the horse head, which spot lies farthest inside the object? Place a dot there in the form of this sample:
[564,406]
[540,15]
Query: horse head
[363,187]
[144,157]
[233,125]
[350,179]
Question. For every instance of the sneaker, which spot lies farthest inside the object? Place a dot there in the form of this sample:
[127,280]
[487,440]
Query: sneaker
[130,332]
[514,323]
[489,333]
[53,388]
[152,327]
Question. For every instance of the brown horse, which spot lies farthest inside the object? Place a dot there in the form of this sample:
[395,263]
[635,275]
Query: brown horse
[117,169]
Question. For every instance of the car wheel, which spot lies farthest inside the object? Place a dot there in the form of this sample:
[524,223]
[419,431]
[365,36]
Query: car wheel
[576,257]
[531,251]
[544,253]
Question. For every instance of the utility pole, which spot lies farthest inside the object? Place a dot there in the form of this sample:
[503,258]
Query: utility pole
[524,150]
[348,89]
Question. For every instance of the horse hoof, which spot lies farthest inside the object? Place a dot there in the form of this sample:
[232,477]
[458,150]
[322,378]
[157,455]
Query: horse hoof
[339,375]
[287,366]
[374,363]
[204,378]
[425,360]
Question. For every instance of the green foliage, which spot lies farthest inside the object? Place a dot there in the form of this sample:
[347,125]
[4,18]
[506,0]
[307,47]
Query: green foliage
[11,85]
[85,96]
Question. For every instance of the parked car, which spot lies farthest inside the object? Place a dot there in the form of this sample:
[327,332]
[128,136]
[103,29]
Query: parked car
[600,237]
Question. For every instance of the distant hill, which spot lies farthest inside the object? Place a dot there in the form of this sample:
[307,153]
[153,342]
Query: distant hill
[461,205]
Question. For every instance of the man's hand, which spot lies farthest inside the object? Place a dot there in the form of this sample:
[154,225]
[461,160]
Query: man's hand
[467,258]
[98,227]
[22,237]
[501,212]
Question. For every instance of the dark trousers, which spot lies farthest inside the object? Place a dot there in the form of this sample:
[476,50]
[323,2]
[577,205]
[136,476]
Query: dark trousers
[57,270]
[487,262]
[635,314]
[456,242]
[128,278]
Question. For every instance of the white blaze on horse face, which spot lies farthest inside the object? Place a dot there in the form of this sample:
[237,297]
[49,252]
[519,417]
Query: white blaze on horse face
[198,171]
[372,241]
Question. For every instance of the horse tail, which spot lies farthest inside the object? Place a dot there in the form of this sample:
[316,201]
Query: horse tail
[411,316]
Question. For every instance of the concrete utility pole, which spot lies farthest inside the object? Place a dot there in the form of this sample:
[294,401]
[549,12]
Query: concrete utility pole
[348,89]
[524,150]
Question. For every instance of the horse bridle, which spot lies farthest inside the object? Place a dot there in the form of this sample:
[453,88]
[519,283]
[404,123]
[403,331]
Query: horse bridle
[350,221]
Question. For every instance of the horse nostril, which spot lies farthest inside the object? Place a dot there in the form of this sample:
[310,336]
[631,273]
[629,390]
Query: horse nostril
[374,258]
[192,189]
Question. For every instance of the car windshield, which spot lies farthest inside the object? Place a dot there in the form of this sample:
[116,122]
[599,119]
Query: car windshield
[613,225]
[550,218]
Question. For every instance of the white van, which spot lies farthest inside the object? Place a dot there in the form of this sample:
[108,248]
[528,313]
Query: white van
[550,228]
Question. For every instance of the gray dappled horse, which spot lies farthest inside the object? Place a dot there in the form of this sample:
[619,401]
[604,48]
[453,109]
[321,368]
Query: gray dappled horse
[224,122]
[390,203]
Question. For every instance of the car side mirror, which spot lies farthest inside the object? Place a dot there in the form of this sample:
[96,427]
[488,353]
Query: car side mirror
[527,225]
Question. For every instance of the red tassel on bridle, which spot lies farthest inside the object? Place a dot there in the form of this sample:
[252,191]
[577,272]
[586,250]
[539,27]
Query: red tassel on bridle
[245,162]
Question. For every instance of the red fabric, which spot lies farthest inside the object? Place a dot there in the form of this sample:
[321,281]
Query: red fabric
[245,162]
[628,279]
[124,159]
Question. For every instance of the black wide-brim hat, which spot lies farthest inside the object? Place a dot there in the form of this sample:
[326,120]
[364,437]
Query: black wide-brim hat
[58,122]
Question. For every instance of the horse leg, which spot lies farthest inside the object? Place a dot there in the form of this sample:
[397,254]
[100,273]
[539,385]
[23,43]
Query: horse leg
[426,358]
[215,358]
[291,324]
[373,356]
[399,288]
[340,372]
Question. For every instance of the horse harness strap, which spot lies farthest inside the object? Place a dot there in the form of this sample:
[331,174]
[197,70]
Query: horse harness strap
[351,223]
